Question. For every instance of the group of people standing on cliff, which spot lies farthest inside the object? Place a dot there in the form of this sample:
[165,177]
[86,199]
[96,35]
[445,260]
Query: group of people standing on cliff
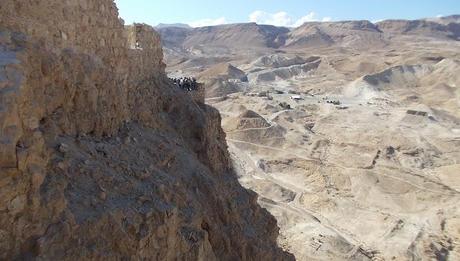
[186,83]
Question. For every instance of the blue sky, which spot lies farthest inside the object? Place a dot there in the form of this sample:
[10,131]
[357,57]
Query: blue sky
[279,12]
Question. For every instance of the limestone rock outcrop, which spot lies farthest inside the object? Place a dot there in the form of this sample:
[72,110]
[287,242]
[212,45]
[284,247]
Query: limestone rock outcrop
[101,158]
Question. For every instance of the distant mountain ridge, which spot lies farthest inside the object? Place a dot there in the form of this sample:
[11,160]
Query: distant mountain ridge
[447,19]
[346,33]
[356,34]
[239,35]
[247,35]
[438,28]
[178,25]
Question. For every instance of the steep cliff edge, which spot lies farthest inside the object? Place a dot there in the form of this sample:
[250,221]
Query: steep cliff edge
[101,158]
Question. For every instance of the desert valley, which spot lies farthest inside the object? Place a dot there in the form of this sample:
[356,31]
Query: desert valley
[348,131]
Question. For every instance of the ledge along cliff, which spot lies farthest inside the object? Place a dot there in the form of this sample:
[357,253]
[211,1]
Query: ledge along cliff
[101,158]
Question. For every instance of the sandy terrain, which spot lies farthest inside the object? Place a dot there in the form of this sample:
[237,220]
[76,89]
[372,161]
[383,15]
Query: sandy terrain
[375,176]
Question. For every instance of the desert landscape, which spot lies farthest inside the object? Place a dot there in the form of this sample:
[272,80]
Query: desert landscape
[349,131]
[318,140]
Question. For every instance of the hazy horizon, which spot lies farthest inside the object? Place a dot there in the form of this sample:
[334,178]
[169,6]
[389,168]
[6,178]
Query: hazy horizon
[290,14]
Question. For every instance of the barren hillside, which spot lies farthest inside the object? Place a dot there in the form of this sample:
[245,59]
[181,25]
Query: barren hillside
[102,157]
[349,133]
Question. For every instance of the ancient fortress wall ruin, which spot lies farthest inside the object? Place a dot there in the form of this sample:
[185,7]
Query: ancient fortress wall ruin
[86,72]
[91,26]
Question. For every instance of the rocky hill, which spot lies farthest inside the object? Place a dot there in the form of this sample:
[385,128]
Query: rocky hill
[173,36]
[222,79]
[356,34]
[223,70]
[441,29]
[101,158]
[247,35]
[238,35]
[359,34]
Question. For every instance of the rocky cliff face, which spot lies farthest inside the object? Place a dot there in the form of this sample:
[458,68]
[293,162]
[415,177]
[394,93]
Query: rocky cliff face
[101,158]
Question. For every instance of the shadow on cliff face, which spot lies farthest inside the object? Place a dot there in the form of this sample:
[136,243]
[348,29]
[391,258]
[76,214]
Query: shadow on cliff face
[101,157]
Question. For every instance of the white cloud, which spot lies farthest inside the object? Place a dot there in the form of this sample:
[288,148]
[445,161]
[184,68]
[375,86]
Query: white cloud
[308,18]
[278,19]
[377,21]
[283,18]
[261,17]
[208,22]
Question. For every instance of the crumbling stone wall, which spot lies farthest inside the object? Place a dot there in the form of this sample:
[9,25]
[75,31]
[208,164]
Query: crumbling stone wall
[86,72]
[89,26]
[100,158]
[79,53]
[148,40]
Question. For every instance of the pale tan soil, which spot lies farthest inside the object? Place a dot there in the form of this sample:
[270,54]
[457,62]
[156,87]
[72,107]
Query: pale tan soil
[363,180]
